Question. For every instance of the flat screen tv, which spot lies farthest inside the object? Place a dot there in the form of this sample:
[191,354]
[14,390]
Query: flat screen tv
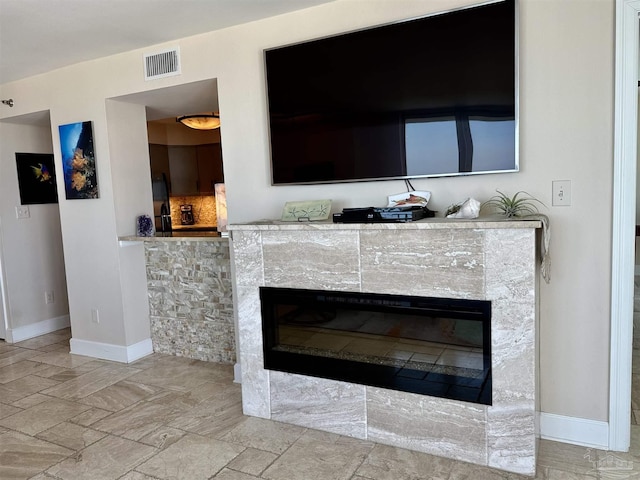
[426,97]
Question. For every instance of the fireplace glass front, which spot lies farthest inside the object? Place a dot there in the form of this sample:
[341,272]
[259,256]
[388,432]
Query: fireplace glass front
[432,346]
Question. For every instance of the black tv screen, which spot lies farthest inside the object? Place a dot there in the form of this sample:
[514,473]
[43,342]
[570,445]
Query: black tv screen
[433,96]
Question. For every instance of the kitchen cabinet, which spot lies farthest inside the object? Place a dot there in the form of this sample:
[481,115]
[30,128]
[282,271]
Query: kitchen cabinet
[183,164]
[190,169]
[209,167]
[159,157]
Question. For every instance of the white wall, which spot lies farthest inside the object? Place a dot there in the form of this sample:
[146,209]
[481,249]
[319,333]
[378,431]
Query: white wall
[566,112]
[31,248]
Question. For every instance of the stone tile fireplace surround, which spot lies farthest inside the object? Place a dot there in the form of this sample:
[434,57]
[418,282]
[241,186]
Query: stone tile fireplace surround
[491,260]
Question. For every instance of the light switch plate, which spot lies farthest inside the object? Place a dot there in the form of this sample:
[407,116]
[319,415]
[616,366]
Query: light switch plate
[22,211]
[561,193]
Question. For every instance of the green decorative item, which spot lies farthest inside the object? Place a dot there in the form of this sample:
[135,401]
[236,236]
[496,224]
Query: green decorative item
[306,211]
[520,205]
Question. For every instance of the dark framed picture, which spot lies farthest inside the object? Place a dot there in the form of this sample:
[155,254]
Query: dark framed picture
[36,178]
[78,160]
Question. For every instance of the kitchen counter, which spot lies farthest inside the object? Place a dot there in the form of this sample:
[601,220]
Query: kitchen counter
[176,236]
[194,228]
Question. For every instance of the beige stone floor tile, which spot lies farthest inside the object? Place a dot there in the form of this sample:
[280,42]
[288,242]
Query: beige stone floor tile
[23,387]
[56,347]
[193,457]
[137,421]
[70,435]
[137,476]
[566,457]
[634,446]
[22,456]
[43,340]
[213,419]
[120,395]
[65,374]
[8,410]
[20,369]
[163,437]
[90,417]
[15,356]
[150,361]
[226,474]
[188,400]
[91,382]
[264,434]
[11,396]
[107,459]
[252,461]
[334,458]
[43,416]
[62,358]
[392,463]
[464,471]
[610,464]
[5,347]
[635,391]
[554,474]
[31,401]
[49,371]
[178,375]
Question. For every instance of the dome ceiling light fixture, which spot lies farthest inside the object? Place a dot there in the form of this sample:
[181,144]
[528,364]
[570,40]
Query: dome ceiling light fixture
[200,121]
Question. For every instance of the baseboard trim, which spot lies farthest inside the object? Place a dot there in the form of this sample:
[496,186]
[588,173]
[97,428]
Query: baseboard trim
[50,325]
[116,353]
[577,431]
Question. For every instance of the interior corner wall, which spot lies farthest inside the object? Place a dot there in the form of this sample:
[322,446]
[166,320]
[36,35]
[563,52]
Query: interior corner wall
[32,253]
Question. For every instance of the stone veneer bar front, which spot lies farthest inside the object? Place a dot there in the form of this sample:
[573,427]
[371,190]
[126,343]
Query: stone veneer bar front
[190,296]
[491,260]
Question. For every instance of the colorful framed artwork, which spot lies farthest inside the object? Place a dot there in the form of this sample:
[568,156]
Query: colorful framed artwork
[78,160]
[36,178]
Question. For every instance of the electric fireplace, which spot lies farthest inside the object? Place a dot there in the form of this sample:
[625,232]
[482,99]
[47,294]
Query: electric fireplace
[432,346]
[361,281]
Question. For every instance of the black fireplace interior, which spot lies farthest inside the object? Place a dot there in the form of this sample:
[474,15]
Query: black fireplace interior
[432,346]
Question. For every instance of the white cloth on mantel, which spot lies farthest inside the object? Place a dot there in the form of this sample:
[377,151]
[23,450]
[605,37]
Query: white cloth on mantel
[545,265]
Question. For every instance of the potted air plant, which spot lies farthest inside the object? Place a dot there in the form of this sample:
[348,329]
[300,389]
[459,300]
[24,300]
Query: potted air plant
[520,205]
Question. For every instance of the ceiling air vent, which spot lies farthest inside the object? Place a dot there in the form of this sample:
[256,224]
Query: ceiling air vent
[162,64]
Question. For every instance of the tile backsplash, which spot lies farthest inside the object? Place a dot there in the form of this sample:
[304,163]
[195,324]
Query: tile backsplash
[204,209]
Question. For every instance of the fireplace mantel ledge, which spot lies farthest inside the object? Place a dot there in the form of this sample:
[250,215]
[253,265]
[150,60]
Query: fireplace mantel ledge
[425,224]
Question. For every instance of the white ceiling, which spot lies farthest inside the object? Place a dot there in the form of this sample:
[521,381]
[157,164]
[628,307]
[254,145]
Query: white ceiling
[37,36]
